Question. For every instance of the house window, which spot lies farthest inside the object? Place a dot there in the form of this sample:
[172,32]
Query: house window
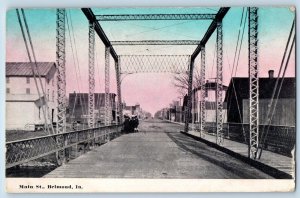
[27,80]
[7,80]
[48,94]
[7,90]
[27,90]
[39,112]
[53,95]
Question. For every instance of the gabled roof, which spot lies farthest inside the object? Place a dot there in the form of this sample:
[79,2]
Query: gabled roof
[24,69]
[266,86]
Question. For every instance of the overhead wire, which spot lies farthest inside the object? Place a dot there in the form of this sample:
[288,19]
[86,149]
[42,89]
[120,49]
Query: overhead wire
[272,107]
[152,29]
[235,66]
[99,97]
[73,45]
[33,71]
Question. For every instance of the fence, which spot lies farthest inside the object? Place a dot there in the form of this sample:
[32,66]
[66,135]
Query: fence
[21,151]
[279,139]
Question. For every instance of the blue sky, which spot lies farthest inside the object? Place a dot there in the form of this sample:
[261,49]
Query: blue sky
[274,27]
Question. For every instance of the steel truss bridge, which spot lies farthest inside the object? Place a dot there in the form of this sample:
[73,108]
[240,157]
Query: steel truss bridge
[143,63]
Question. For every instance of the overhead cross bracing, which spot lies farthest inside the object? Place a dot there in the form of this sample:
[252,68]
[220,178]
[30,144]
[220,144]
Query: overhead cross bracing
[131,17]
[154,63]
[157,42]
[211,29]
[98,29]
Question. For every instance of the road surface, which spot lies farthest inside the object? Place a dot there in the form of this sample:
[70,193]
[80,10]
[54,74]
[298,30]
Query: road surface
[158,150]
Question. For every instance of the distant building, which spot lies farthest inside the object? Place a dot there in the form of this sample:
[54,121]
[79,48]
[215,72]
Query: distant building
[176,111]
[285,111]
[163,114]
[78,107]
[23,105]
[210,103]
[132,110]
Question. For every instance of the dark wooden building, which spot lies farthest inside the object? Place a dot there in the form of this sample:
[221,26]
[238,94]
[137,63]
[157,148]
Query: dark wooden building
[237,97]
[78,107]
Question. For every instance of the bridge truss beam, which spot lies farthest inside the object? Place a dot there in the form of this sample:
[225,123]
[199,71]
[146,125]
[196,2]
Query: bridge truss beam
[189,102]
[107,94]
[213,26]
[202,93]
[118,76]
[91,98]
[131,17]
[157,42]
[154,63]
[219,82]
[61,81]
[98,29]
[61,70]
[211,29]
[254,80]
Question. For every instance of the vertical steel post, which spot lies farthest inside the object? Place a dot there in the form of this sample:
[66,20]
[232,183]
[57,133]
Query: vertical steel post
[61,81]
[91,104]
[253,80]
[202,93]
[189,97]
[61,70]
[219,84]
[118,75]
[107,103]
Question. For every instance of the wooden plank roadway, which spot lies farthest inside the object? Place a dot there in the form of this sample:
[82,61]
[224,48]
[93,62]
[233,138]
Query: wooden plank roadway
[159,150]
[280,162]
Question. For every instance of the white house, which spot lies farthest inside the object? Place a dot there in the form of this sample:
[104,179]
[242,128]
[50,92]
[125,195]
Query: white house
[23,106]
[210,103]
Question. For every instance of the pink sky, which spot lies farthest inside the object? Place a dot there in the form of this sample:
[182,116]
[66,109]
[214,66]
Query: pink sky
[152,91]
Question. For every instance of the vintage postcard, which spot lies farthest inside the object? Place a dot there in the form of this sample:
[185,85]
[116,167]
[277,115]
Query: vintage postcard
[177,99]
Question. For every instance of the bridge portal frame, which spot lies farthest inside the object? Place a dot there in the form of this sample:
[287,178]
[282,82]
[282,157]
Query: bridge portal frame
[216,24]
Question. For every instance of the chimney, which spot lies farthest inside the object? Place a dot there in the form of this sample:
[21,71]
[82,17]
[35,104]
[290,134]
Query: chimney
[271,74]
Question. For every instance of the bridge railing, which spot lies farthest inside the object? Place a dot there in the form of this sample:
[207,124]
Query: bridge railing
[21,151]
[279,139]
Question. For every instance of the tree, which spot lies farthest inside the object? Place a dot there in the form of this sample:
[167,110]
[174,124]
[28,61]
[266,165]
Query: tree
[181,81]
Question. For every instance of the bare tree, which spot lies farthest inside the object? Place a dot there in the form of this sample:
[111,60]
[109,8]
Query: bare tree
[181,81]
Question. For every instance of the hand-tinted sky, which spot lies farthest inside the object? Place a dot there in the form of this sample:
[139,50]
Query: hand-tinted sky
[152,91]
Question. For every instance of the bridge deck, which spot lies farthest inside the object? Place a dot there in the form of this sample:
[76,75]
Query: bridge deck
[157,151]
[280,162]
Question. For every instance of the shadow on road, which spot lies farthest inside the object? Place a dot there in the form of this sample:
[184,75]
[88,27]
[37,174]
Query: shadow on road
[216,157]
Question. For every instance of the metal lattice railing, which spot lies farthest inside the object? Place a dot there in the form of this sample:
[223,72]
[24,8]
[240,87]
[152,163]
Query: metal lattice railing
[154,63]
[21,151]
